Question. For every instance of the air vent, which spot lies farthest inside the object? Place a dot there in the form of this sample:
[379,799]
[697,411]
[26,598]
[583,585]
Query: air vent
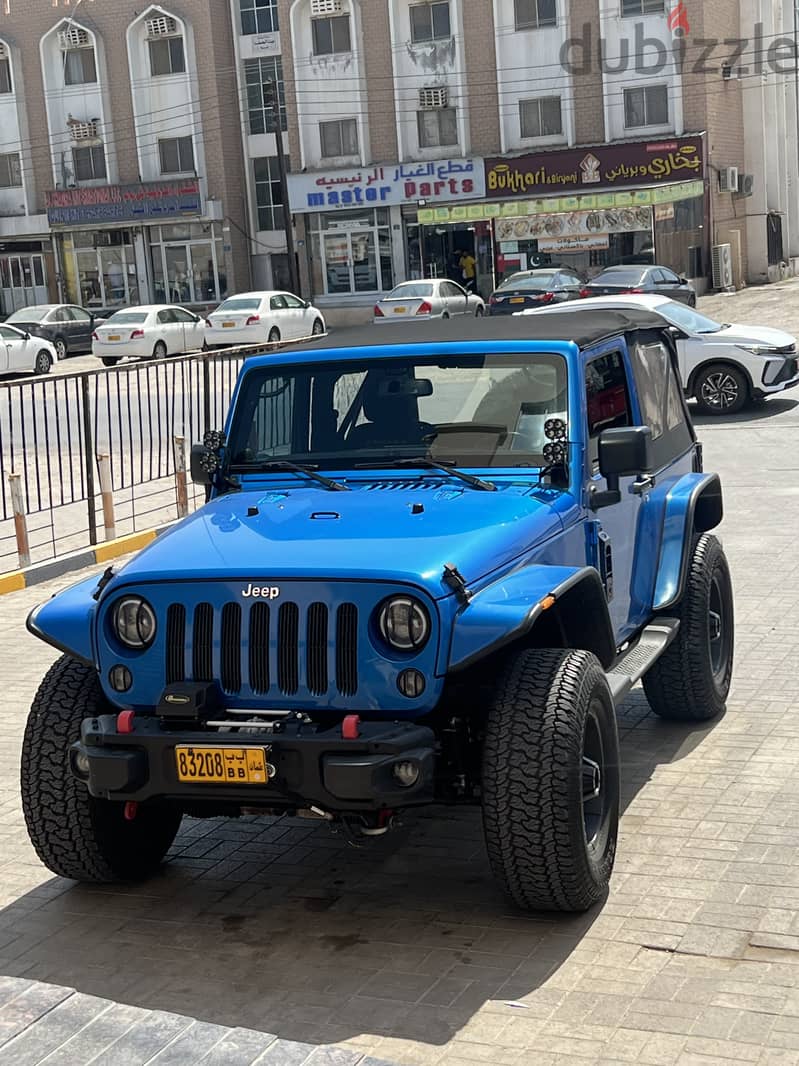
[162,26]
[433,97]
[73,37]
[326,7]
[82,131]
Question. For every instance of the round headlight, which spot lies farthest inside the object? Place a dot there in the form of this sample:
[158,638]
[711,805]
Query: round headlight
[134,622]
[404,623]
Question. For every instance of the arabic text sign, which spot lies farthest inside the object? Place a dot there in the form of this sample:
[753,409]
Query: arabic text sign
[614,166]
[574,223]
[589,243]
[402,183]
[142,202]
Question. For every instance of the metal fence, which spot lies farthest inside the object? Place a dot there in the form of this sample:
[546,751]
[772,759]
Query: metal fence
[71,444]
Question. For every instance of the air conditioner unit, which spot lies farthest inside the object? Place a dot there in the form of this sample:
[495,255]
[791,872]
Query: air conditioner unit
[161,26]
[722,266]
[326,7]
[434,96]
[73,36]
[82,130]
[728,179]
[746,185]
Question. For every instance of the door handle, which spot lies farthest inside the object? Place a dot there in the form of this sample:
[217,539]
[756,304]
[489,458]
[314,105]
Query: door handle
[643,484]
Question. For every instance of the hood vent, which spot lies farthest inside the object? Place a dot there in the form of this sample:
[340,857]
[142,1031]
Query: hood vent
[404,484]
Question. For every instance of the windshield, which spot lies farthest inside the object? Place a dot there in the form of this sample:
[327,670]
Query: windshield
[688,319]
[120,318]
[633,276]
[479,411]
[416,289]
[29,314]
[528,281]
[249,303]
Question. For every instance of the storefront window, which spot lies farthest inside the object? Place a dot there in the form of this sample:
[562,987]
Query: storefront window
[352,252]
[187,264]
[99,268]
[22,281]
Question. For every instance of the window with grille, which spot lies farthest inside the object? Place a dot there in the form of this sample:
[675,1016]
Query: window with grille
[646,106]
[166,56]
[433,96]
[79,66]
[339,137]
[89,163]
[5,74]
[633,8]
[437,128]
[258,16]
[73,37]
[259,73]
[268,193]
[10,171]
[430,22]
[162,26]
[325,7]
[531,14]
[176,155]
[331,36]
[540,117]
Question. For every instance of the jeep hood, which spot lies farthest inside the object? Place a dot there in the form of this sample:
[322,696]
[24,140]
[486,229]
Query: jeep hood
[379,533]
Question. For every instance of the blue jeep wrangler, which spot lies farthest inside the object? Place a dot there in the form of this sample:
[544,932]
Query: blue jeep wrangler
[429,568]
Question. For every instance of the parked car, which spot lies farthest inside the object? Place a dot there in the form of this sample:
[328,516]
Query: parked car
[657,280]
[148,332]
[723,366]
[20,352]
[529,288]
[419,301]
[259,317]
[67,327]
[365,625]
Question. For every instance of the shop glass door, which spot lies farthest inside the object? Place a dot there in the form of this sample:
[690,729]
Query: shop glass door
[186,274]
[104,277]
[351,262]
[21,282]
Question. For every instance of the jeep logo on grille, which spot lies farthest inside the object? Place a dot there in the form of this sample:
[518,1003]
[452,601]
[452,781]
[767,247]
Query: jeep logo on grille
[266,592]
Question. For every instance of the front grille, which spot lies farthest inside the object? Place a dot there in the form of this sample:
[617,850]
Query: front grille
[262,649]
[787,371]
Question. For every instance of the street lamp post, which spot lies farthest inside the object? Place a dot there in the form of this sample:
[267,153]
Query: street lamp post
[272,108]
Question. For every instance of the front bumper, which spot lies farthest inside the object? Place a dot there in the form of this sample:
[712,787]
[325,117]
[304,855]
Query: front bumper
[313,765]
[787,378]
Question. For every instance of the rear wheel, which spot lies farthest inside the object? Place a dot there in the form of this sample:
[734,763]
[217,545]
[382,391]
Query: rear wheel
[318,328]
[721,389]
[43,362]
[74,834]
[110,360]
[480,311]
[159,351]
[551,780]
[60,346]
[274,335]
[445,315]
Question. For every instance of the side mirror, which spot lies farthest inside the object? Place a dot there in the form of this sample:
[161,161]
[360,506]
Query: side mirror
[623,452]
[683,281]
[202,465]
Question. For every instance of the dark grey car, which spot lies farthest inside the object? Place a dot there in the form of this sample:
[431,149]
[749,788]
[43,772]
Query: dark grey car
[68,327]
[655,280]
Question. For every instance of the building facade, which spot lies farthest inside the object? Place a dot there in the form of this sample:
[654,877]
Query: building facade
[121,167]
[527,132]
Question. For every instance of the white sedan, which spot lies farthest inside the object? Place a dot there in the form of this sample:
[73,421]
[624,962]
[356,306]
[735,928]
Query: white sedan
[20,352]
[723,366]
[420,301]
[149,332]
[264,318]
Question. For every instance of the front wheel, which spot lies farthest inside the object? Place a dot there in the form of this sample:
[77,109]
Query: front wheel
[60,348]
[551,780]
[318,328]
[691,680]
[74,834]
[721,389]
[110,360]
[43,362]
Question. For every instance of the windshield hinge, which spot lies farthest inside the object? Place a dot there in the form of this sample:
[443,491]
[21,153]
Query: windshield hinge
[457,582]
[109,573]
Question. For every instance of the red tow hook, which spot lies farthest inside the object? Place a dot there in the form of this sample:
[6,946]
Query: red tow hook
[131,810]
[384,817]
[125,721]
[350,727]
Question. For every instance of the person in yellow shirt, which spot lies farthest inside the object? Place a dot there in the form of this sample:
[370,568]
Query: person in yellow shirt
[467,263]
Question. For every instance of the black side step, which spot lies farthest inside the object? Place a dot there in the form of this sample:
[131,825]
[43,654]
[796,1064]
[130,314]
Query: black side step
[633,663]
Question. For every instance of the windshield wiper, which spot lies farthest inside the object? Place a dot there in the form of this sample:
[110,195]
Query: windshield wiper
[432,464]
[293,468]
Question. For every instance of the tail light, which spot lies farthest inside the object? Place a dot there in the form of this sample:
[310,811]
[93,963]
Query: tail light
[253,320]
[94,336]
[136,334]
[636,292]
[492,299]
[424,308]
[585,292]
[546,297]
[378,312]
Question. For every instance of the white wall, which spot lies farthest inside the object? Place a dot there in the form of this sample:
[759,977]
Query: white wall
[528,66]
[12,122]
[165,106]
[328,87]
[82,102]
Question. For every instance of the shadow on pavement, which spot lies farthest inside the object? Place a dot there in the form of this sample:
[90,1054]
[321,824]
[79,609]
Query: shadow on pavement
[279,926]
[776,405]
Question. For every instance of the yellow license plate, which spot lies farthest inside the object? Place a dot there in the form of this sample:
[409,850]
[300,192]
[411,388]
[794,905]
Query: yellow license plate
[400,310]
[221,766]
[114,337]
[517,299]
[228,325]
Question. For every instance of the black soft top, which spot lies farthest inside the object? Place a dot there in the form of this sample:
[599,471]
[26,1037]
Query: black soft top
[585,327]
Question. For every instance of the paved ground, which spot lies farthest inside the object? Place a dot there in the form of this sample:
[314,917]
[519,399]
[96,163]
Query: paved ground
[405,950]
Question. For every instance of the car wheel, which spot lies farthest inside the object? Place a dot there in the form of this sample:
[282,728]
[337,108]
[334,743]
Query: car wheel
[551,780]
[318,328]
[110,360]
[692,300]
[721,389]
[159,351]
[43,362]
[480,311]
[691,680]
[274,335]
[74,834]
[60,346]
[445,315]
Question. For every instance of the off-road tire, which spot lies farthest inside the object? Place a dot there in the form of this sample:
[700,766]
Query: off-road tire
[109,360]
[711,379]
[682,685]
[74,834]
[545,703]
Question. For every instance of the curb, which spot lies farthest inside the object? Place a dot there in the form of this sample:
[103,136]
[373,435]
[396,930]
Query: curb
[100,553]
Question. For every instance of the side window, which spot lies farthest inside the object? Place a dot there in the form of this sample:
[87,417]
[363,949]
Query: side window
[77,314]
[670,277]
[292,301]
[165,317]
[451,289]
[8,334]
[61,314]
[277,303]
[179,315]
[607,398]
[660,395]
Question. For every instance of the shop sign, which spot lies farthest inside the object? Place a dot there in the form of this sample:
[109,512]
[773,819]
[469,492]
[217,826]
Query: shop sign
[265,43]
[406,183]
[611,165]
[575,223]
[664,212]
[141,202]
[686,190]
[593,242]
